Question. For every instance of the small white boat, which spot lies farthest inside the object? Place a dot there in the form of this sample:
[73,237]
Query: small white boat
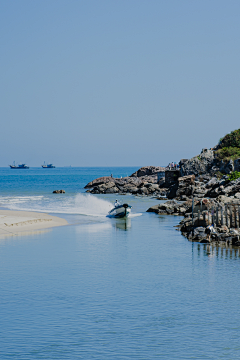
[120,211]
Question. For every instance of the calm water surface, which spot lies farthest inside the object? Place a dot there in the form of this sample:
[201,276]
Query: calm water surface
[113,289]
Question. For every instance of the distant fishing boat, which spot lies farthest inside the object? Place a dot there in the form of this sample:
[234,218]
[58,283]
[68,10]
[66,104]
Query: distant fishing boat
[48,166]
[20,166]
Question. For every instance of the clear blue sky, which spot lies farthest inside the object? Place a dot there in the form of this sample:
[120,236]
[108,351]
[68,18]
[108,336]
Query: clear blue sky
[125,83]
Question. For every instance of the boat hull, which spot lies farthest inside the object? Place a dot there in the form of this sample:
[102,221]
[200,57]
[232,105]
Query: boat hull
[19,167]
[120,211]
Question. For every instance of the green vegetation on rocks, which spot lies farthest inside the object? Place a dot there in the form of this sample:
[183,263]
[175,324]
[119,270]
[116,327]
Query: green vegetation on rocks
[234,175]
[228,153]
[229,146]
[232,139]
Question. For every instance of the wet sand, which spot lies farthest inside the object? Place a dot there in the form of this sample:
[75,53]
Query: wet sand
[15,222]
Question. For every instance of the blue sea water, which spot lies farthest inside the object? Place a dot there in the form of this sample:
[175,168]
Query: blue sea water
[103,288]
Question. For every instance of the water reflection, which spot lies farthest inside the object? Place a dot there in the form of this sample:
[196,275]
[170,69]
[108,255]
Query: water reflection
[93,227]
[218,251]
[24,233]
[123,224]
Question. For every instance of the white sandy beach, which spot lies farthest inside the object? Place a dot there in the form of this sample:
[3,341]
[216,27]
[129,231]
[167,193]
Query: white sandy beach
[14,222]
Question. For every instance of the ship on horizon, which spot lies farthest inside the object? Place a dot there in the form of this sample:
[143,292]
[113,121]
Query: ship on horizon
[48,166]
[19,166]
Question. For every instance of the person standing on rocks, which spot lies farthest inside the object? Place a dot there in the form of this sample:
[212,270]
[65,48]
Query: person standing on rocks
[209,231]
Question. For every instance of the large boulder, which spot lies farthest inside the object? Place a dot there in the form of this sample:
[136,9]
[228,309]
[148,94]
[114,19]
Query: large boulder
[172,190]
[185,185]
[168,208]
[145,181]
[99,181]
[112,190]
[222,199]
[148,170]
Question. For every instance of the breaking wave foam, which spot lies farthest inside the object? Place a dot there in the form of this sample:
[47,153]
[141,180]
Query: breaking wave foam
[79,204]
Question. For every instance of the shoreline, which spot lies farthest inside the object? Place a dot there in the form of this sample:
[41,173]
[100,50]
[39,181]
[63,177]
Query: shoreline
[13,222]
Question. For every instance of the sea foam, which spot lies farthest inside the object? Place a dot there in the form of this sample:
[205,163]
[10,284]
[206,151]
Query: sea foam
[79,204]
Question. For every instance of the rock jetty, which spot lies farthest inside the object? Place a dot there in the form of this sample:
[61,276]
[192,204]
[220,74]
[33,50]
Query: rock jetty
[145,181]
[222,212]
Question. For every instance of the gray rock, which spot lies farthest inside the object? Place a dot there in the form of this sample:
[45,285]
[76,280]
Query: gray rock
[182,210]
[153,186]
[59,192]
[112,190]
[151,189]
[134,190]
[237,165]
[109,184]
[237,195]
[185,186]
[223,229]
[169,207]
[205,241]
[171,193]
[212,182]
[148,170]
[144,182]
[98,181]
[143,191]
[199,233]
[226,167]
[198,165]
[154,208]
[224,199]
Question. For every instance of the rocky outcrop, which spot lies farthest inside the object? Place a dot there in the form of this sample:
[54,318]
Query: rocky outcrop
[193,227]
[170,207]
[223,187]
[207,163]
[198,214]
[140,186]
[200,164]
[148,170]
[59,192]
[189,186]
[184,188]
[145,181]
[99,181]
[174,207]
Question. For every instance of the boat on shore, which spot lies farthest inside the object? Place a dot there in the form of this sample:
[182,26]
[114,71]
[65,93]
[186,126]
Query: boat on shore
[20,166]
[48,166]
[120,211]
